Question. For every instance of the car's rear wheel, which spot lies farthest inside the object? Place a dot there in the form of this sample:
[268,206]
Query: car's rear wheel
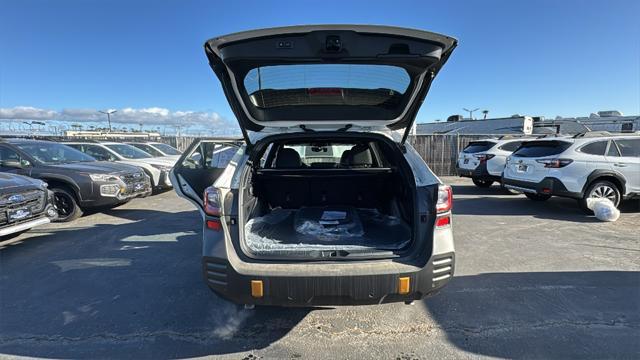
[537,197]
[601,189]
[482,183]
[66,204]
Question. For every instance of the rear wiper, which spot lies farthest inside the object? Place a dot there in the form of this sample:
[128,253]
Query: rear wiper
[345,128]
[305,129]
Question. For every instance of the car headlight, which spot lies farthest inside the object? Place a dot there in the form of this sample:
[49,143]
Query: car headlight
[103,177]
[163,167]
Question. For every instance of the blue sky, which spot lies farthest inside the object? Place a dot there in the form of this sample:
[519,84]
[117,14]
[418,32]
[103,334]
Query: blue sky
[547,58]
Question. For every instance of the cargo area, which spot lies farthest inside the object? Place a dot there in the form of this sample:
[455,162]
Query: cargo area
[349,199]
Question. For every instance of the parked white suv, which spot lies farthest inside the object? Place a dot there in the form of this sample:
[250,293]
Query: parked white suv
[325,203]
[156,168]
[483,160]
[158,149]
[592,165]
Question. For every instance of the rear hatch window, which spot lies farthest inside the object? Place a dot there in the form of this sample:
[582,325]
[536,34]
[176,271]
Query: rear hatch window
[478,146]
[379,86]
[542,148]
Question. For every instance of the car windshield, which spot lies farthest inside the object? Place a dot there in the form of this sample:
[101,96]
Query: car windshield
[167,149]
[51,153]
[128,151]
[149,149]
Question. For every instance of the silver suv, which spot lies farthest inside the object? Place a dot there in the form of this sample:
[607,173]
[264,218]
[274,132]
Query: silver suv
[596,164]
[324,203]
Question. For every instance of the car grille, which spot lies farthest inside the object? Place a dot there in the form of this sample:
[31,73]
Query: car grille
[34,200]
[132,178]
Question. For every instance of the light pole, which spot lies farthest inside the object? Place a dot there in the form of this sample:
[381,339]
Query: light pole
[108,113]
[470,112]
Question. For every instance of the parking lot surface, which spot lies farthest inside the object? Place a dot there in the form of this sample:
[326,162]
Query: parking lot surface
[533,280]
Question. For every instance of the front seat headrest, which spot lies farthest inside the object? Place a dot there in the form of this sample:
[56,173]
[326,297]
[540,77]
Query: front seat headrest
[288,159]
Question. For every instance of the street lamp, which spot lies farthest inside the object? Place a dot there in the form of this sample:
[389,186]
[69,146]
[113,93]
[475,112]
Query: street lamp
[108,113]
[470,112]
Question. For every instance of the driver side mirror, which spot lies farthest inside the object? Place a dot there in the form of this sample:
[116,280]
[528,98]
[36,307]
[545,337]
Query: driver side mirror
[16,164]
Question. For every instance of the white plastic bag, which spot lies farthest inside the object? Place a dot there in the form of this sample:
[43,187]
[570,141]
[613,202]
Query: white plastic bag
[603,209]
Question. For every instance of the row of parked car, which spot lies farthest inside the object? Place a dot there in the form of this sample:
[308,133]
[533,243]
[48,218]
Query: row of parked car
[43,181]
[588,165]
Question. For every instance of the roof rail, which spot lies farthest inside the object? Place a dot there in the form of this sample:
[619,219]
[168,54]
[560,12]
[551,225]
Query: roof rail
[590,134]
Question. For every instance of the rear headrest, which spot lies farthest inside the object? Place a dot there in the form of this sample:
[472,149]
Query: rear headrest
[359,156]
[344,159]
[288,159]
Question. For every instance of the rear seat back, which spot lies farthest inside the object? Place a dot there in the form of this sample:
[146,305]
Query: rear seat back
[360,190]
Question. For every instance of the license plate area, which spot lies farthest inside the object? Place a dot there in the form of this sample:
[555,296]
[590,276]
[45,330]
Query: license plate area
[18,214]
[466,161]
[521,168]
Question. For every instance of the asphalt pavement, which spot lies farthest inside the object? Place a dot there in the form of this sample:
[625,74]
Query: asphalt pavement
[533,280]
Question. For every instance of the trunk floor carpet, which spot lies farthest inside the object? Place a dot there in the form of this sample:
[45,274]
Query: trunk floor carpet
[286,231]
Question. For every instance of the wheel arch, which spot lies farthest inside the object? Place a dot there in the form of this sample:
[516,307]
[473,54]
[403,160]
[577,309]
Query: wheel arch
[65,183]
[609,175]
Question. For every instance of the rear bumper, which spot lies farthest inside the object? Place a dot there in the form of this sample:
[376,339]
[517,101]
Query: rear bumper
[480,172]
[548,186]
[298,289]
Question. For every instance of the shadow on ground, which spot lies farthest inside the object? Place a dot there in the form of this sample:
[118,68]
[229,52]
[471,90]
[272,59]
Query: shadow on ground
[542,315]
[130,290]
[495,201]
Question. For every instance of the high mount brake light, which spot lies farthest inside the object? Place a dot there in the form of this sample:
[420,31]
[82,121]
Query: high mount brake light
[212,201]
[445,199]
[555,163]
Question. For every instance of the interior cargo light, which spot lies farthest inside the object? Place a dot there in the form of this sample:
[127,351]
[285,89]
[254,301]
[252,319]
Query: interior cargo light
[404,285]
[445,198]
[257,290]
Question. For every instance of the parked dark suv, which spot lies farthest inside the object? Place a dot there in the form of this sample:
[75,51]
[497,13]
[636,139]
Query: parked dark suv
[24,203]
[77,180]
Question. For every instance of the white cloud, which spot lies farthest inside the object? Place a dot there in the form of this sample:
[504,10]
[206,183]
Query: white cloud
[27,113]
[147,116]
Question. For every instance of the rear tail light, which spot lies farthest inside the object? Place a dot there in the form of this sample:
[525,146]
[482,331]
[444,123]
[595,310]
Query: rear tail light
[445,199]
[214,225]
[555,163]
[484,157]
[443,221]
[212,201]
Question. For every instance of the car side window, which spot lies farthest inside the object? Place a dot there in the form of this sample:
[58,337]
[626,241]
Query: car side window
[613,150]
[98,153]
[629,147]
[595,148]
[10,155]
[221,155]
[216,156]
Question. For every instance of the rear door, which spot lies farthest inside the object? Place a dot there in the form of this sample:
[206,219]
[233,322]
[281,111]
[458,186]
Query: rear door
[327,76]
[628,161]
[200,165]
